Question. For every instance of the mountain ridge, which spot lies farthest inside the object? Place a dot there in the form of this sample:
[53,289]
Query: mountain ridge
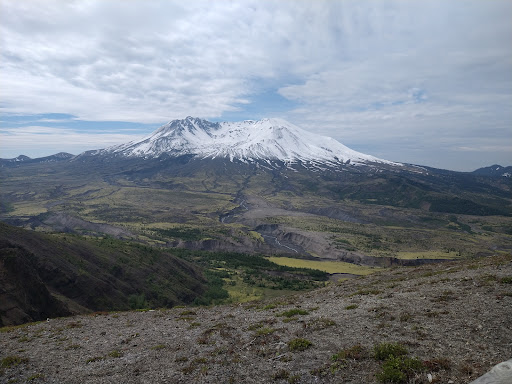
[494,170]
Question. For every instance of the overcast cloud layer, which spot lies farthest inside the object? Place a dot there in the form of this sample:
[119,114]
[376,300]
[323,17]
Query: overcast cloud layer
[425,82]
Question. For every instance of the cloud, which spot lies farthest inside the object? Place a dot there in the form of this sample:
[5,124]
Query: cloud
[41,141]
[438,82]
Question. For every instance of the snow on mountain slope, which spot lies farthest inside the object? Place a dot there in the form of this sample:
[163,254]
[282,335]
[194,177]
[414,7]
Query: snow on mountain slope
[267,139]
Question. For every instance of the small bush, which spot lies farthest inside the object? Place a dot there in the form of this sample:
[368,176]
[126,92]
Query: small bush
[299,344]
[506,280]
[385,351]
[351,306]
[399,370]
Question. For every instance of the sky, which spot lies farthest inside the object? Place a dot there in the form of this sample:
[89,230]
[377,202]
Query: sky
[421,82]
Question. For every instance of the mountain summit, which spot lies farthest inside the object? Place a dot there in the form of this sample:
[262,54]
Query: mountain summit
[249,140]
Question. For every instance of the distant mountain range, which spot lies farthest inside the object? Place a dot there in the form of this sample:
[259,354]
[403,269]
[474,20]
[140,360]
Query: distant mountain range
[22,159]
[249,141]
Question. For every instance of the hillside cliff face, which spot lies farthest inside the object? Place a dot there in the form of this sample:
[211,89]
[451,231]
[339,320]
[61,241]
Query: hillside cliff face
[55,275]
[23,295]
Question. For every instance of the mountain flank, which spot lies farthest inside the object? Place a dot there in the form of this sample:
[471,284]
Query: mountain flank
[248,141]
[438,323]
[43,275]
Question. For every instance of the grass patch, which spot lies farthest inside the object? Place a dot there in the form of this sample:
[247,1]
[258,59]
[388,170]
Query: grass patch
[188,313]
[438,364]
[73,346]
[10,328]
[94,359]
[115,354]
[282,374]
[237,277]
[293,312]
[437,255]
[265,331]
[366,292]
[12,361]
[319,323]
[299,344]
[35,377]
[74,324]
[356,352]
[325,266]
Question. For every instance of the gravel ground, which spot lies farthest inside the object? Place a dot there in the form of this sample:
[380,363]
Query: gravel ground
[455,317]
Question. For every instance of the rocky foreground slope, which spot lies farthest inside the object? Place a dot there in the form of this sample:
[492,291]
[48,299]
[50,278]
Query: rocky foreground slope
[452,321]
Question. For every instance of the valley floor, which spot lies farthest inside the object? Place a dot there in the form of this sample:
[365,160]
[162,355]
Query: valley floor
[455,317]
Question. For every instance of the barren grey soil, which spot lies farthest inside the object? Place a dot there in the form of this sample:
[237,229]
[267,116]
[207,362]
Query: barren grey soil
[455,317]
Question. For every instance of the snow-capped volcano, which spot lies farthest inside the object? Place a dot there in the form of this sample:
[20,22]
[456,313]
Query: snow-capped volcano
[267,139]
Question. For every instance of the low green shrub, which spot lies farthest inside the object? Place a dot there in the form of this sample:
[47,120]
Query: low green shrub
[399,369]
[384,351]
